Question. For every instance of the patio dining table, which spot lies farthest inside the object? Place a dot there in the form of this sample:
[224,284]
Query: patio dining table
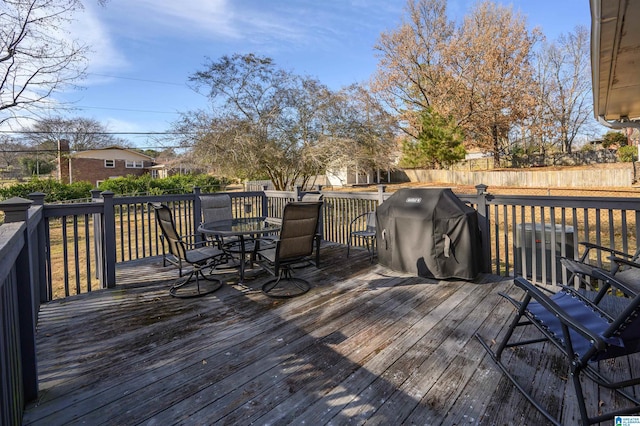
[243,229]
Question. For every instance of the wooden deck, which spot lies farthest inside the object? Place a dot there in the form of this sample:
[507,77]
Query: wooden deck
[366,344]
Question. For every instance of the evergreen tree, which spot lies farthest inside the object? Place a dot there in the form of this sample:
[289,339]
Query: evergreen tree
[439,143]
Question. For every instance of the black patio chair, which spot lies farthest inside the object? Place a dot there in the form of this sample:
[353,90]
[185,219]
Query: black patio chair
[183,253]
[217,207]
[622,263]
[363,227]
[584,334]
[293,245]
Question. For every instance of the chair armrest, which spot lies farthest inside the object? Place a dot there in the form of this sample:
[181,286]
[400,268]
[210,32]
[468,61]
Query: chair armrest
[627,271]
[589,246]
[626,262]
[575,266]
[532,292]
[190,241]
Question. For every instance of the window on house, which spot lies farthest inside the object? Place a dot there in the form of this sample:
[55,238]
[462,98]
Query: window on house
[110,163]
[131,164]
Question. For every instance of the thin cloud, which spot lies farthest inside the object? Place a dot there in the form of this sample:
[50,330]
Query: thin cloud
[274,24]
[104,56]
[184,17]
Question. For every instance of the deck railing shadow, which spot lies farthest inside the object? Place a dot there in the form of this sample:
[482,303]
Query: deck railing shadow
[54,251]
[212,373]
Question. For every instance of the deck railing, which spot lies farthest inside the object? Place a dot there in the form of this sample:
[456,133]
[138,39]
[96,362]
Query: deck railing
[21,269]
[523,235]
[53,251]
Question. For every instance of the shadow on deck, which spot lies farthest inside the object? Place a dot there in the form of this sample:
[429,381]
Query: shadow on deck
[366,344]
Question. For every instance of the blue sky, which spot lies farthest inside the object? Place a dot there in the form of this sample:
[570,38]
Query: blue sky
[143,51]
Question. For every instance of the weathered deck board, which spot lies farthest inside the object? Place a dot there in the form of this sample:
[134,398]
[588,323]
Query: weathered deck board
[366,344]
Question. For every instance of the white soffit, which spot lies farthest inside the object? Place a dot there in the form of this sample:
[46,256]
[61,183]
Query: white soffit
[615,61]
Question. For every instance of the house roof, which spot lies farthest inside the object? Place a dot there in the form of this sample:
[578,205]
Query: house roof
[113,152]
[615,51]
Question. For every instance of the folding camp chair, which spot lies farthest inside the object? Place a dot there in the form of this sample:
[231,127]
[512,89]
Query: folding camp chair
[583,333]
[583,267]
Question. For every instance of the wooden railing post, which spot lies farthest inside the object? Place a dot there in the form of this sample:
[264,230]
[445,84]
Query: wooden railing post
[265,202]
[40,253]
[485,225]
[381,190]
[16,209]
[197,211]
[98,238]
[109,244]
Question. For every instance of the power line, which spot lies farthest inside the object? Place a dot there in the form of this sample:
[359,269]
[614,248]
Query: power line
[126,109]
[35,150]
[141,79]
[32,132]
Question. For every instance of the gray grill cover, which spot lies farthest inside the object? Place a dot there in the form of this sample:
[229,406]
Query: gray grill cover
[429,232]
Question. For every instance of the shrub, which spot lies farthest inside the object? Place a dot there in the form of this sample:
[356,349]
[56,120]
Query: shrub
[627,153]
[130,185]
[177,184]
[614,138]
[54,190]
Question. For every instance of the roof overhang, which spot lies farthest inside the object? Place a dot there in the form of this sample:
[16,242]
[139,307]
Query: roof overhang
[615,62]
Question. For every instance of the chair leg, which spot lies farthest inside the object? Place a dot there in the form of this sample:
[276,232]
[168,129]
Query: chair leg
[317,251]
[285,285]
[179,288]
[369,245]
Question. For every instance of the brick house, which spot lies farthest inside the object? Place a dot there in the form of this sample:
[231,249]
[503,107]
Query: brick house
[98,165]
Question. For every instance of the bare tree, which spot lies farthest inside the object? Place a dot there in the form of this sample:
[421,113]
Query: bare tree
[413,70]
[492,50]
[478,73]
[36,56]
[261,121]
[81,134]
[359,132]
[268,122]
[10,151]
[565,88]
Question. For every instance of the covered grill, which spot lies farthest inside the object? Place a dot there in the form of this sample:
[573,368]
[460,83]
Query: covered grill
[429,232]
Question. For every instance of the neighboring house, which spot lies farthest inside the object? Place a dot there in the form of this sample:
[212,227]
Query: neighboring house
[98,165]
[346,176]
[166,167]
